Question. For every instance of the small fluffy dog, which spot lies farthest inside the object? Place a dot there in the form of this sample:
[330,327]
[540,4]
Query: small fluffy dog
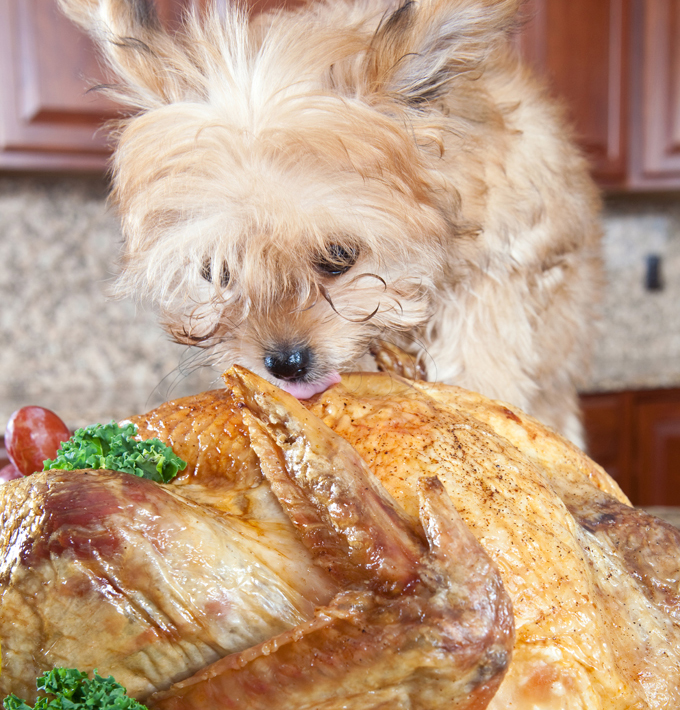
[296,186]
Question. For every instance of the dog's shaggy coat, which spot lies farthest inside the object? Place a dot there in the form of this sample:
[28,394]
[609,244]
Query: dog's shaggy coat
[296,187]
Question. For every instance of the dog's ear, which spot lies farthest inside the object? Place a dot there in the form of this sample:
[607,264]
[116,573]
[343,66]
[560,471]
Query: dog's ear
[141,53]
[423,44]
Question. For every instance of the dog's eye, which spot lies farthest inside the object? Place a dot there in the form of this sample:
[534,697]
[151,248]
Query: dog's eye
[206,273]
[337,259]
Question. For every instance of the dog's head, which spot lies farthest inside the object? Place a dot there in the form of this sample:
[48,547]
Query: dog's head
[280,184]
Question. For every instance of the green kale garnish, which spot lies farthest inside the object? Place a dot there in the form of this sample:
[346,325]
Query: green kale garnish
[116,448]
[73,690]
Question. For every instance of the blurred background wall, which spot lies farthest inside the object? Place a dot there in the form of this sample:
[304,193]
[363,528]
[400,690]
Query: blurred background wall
[69,346]
[66,344]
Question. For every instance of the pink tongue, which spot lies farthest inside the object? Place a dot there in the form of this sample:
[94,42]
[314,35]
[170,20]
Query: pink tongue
[305,390]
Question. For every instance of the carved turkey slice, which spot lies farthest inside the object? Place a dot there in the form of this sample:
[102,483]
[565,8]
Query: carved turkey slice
[322,584]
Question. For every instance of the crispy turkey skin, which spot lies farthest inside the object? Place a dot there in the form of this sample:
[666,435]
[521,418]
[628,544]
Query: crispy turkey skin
[390,544]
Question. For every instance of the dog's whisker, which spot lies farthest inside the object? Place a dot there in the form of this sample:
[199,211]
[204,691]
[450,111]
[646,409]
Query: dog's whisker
[199,339]
[169,382]
[324,292]
[366,275]
[310,306]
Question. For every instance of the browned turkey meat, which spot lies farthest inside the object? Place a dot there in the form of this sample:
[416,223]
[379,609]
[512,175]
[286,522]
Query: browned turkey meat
[329,557]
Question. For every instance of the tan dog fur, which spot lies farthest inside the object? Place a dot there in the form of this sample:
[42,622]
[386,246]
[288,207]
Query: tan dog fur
[409,136]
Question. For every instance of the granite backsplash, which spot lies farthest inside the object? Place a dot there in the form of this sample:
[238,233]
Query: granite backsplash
[68,346]
[639,342]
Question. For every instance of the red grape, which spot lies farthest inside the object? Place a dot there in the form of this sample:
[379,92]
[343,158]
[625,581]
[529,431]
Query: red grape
[33,434]
[9,473]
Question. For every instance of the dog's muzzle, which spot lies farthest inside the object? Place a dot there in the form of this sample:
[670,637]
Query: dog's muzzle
[293,370]
[291,364]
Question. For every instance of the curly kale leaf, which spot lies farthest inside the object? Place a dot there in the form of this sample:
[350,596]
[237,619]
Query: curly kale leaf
[69,689]
[116,448]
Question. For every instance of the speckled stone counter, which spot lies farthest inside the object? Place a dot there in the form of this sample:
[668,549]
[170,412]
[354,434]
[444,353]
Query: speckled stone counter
[65,344]
[68,346]
[639,341]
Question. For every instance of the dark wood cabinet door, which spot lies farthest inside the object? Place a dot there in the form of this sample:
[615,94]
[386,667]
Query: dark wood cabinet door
[582,48]
[48,121]
[635,436]
[608,423]
[655,119]
[614,63]
[658,454]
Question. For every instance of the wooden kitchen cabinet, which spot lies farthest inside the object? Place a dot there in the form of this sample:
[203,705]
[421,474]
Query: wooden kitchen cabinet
[608,421]
[635,436]
[48,120]
[616,66]
[658,427]
[582,49]
[655,111]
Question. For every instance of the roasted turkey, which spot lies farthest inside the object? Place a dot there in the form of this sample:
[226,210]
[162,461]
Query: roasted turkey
[388,544]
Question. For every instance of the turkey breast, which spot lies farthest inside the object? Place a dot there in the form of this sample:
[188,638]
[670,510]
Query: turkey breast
[390,544]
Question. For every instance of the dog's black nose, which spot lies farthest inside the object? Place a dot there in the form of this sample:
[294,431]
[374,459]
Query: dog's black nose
[289,364]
